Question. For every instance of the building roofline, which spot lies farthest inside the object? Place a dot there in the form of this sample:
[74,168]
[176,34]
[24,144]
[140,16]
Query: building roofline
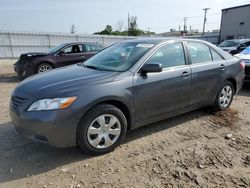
[241,6]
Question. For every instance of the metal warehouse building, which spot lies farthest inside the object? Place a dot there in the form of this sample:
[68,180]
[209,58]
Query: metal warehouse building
[235,23]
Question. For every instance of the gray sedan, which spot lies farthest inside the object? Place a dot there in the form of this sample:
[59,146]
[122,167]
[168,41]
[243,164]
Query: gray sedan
[126,86]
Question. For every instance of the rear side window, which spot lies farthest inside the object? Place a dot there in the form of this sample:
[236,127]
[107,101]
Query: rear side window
[92,47]
[199,52]
[170,55]
[216,56]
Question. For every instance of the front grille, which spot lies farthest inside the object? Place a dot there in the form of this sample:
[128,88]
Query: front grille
[17,102]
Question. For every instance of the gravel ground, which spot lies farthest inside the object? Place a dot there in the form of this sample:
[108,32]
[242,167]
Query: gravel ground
[197,149]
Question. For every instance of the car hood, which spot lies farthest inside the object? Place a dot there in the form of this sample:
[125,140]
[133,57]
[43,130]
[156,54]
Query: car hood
[32,54]
[64,80]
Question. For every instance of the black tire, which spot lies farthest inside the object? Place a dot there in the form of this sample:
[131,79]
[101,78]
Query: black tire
[38,68]
[218,105]
[89,118]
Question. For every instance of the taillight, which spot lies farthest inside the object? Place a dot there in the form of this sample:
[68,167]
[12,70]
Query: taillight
[242,65]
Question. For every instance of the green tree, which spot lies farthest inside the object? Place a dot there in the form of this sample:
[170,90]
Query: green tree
[133,29]
[107,31]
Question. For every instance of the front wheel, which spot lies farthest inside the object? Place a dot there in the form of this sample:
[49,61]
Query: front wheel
[101,129]
[224,97]
[44,67]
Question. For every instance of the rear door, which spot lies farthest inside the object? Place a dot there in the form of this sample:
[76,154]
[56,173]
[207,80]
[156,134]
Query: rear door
[159,95]
[208,72]
[90,50]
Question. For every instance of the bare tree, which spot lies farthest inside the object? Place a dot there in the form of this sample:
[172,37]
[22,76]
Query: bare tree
[119,25]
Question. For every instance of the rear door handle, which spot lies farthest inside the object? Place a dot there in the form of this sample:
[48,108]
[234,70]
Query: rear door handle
[185,74]
[82,57]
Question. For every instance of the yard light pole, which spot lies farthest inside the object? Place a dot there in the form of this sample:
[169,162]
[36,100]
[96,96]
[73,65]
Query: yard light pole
[205,19]
[185,24]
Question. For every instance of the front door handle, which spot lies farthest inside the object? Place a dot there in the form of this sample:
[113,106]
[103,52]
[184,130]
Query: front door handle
[82,57]
[222,66]
[185,74]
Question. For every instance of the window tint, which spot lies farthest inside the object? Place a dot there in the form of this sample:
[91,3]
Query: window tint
[169,55]
[92,47]
[73,49]
[216,56]
[199,52]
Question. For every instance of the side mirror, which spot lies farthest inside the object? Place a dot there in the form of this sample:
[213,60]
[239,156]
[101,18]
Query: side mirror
[61,53]
[147,68]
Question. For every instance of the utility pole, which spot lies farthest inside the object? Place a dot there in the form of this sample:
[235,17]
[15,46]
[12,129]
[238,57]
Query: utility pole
[128,24]
[205,19]
[185,23]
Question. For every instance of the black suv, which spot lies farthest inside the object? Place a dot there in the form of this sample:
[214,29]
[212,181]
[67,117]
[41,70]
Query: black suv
[62,55]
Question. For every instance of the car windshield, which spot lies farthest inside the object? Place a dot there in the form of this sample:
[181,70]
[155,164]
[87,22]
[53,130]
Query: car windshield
[119,57]
[246,51]
[56,48]
[229,43]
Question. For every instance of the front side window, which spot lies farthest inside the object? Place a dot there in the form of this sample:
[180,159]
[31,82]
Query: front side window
[73,49]
[170,55]
[199,52]
[119,57]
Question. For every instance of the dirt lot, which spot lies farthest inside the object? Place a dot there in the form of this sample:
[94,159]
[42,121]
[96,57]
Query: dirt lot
[191,150]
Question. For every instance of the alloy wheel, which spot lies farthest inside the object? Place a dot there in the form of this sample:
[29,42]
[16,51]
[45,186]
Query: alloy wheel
[226,96]
[44,68]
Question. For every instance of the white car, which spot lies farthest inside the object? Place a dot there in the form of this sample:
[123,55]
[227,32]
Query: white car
[245,56]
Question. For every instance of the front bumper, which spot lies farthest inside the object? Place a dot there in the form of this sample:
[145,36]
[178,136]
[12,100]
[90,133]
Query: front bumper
[23,69]
[53,127]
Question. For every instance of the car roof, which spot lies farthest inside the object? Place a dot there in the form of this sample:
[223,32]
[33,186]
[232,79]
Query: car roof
[72,43]
[158,40]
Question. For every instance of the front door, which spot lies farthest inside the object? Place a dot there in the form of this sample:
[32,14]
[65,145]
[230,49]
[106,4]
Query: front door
[160,95]
[70,55]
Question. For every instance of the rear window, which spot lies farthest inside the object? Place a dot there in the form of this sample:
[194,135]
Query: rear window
[199,52]
[229,43]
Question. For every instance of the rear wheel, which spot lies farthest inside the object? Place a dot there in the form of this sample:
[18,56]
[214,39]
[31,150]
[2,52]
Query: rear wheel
[225,96]
[44,67]
[101,129]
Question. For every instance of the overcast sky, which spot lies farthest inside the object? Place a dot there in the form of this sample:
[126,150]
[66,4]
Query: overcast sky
[90,16]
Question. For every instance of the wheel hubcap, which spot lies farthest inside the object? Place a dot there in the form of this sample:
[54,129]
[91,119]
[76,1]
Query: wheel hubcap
[226,96]
[104,131]
[44,68]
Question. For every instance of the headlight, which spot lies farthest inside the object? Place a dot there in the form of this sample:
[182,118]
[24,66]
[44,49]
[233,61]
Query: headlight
[51,104]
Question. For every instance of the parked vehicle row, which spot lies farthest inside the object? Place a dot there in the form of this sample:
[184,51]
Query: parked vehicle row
[123,87]
[235,46]
[59,56]
[245,56]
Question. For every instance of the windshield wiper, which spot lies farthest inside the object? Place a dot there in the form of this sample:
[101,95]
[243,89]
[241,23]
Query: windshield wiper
[94,67]
[90,66]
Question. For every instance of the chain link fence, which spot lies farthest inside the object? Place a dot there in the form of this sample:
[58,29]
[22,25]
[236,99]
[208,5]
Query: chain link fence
[12,44]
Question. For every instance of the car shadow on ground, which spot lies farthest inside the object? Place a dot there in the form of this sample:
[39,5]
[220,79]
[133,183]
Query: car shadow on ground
[9,79]
[245,91]
[20,158]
